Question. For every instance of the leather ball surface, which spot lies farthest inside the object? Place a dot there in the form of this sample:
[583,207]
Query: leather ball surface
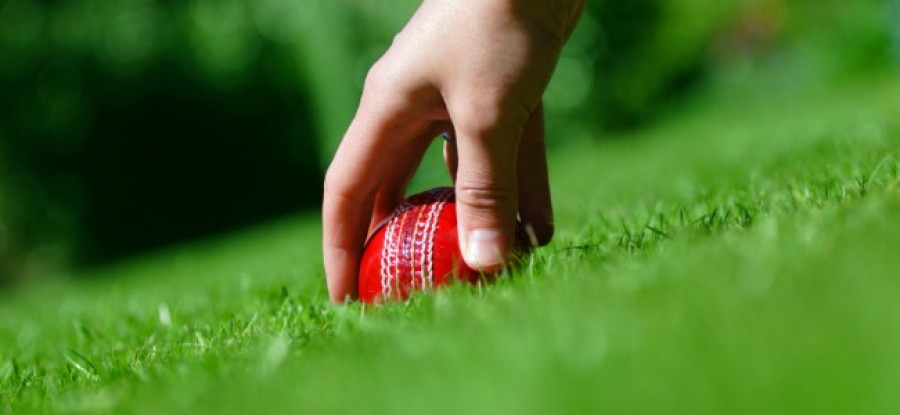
[417,249]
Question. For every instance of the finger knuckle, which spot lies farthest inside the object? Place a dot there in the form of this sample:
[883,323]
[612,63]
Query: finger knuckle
[377,75]
[483,196]
[387,93]
[334,187]
[489,115]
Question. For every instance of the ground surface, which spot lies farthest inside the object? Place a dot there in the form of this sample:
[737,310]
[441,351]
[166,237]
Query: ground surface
[741,257]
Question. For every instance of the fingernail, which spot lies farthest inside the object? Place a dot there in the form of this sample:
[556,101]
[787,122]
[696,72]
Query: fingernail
[484,248]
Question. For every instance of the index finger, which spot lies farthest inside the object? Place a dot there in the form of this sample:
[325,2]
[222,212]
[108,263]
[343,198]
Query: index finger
[350,186]
[363,161]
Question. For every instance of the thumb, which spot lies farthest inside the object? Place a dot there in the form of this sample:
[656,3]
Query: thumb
[486,192]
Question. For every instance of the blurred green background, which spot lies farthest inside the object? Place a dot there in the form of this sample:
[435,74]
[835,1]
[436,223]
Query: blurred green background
[127,125]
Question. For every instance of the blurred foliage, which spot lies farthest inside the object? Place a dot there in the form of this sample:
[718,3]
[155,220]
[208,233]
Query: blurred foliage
[629,61]
[129,124]
[633,54]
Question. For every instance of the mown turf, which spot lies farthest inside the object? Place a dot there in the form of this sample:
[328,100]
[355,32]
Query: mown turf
[738,258]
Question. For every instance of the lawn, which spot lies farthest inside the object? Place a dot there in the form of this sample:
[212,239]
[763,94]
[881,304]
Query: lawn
[740,256]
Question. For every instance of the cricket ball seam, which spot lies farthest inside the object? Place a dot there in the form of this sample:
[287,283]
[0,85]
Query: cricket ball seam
[431,230]
[423,239]
[386,254]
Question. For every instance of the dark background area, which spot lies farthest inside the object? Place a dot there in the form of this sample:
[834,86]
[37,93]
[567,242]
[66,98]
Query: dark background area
[129,125]
[159,157]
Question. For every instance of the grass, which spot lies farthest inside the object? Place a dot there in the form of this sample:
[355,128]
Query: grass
[738,258]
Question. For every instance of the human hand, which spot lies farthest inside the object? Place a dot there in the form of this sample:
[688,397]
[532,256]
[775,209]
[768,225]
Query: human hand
[477,70]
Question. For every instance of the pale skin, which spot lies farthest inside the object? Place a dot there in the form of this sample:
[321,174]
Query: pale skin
[476,69]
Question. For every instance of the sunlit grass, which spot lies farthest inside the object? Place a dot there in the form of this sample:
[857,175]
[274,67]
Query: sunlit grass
[738,258]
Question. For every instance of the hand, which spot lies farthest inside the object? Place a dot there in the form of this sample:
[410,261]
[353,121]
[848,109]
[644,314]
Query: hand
[476,69]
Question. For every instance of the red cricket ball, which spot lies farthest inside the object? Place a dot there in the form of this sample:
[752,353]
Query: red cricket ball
[417,248]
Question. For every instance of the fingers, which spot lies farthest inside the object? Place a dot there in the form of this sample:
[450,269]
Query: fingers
[535,207]
[404,164]
[486,185]
[346,208]
[358,170]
